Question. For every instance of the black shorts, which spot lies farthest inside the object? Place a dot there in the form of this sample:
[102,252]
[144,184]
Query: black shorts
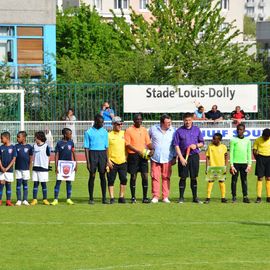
[262,166]
[121,169]
[98,160]
[191,169]
[137,164]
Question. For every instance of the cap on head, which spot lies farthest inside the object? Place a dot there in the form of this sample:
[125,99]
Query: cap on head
[116,120]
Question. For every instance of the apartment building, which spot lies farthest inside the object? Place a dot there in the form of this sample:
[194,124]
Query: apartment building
[231,9]
[259,10]
[28,36]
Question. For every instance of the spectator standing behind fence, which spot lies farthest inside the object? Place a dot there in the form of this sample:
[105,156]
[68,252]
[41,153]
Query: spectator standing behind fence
[214,114]
[199,114]
[163,158]
[107,112]
[71,118]
[238,115]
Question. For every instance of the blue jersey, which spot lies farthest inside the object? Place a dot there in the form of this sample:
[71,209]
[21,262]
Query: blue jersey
[24,152]
[64,149]
[96,139]
[7,153]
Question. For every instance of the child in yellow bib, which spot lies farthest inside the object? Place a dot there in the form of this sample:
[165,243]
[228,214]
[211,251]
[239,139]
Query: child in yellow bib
[216,155]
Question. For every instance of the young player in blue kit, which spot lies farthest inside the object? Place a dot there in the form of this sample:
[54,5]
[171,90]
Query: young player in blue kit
[22,167]
[64,151]
[7,159]
[40,167]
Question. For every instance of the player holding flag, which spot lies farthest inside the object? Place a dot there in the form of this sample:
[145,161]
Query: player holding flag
[188,136]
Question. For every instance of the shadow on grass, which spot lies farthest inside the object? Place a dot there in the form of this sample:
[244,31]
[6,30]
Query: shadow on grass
[254,223]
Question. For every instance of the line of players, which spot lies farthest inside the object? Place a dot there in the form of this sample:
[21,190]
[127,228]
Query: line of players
[121,152]
[27,157]
[166,144]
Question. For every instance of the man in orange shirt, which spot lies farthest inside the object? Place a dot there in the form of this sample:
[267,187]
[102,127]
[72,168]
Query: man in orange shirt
[137,140]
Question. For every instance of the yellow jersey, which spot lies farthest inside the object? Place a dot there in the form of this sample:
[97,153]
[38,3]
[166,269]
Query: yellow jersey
[216,154]
[117,147]
[262,146]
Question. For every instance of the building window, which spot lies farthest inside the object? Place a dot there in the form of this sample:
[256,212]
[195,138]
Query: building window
[30,51]
[250,11]
[29,31]
[6,50]
[118,4]
[224,4]
[143,4]
[97,4]
[7,31]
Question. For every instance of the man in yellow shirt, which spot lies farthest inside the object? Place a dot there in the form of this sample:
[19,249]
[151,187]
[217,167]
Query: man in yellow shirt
[117,161]
[261,152]
[216,155]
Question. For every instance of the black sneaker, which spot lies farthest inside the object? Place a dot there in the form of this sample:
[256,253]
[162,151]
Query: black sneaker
[258,200]
[133,200]
[224,200]
[104,201]
[91,202]
[196,200]
[207,200]
[121,200]
[112,201]
[268,199]
[146,200]
[246,200]
[234,199]
[181,200]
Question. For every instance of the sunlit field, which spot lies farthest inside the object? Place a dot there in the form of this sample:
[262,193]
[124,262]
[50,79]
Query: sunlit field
[136,236]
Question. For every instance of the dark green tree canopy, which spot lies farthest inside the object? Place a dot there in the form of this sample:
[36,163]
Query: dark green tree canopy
[186,42]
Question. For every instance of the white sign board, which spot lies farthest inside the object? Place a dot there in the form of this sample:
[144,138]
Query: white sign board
[182,98]
[228,133]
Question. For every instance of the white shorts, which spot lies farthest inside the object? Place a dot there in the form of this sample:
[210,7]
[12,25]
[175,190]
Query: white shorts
[22,174]
[40,176]
[7,176]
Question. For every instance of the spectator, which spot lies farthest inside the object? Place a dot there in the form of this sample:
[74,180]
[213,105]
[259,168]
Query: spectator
[237,115]
[71,117]
[107,112]
[49,138]
[214,114]
[199,113]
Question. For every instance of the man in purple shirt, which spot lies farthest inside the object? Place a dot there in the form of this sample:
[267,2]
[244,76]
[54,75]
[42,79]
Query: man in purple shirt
[188,137]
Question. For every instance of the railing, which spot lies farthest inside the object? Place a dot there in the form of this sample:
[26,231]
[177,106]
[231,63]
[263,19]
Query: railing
[49,102]
[53,129]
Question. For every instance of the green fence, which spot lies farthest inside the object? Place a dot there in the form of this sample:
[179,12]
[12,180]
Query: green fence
[50,102]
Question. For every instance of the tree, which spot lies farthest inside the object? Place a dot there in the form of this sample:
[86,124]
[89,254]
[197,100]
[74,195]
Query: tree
[188,42]
[91,50]
[249,28]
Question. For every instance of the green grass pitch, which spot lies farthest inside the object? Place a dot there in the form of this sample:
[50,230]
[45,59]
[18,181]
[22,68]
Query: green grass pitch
[155,236]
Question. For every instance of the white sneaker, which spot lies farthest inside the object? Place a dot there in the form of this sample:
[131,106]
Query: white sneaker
[25,203]
[18,203]
[166,200]
[154,200]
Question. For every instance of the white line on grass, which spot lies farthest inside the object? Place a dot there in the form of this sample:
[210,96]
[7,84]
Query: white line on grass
[244,222]
[148,265]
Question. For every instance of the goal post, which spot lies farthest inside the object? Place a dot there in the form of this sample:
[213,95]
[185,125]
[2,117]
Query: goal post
[21,93]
